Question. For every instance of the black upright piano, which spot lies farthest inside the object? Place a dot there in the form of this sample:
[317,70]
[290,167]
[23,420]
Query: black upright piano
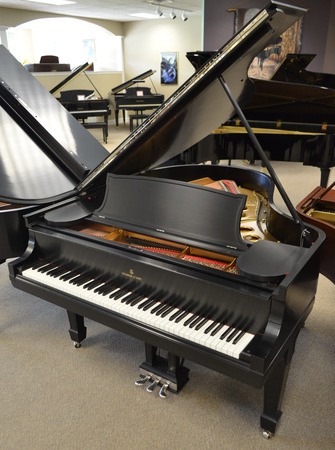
[196,261]
[139,98]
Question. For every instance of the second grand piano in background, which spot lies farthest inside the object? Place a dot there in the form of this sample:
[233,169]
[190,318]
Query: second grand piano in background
[194,260]
[134,98]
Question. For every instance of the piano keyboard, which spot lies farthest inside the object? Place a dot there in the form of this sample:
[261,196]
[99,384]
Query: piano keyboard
[217,336]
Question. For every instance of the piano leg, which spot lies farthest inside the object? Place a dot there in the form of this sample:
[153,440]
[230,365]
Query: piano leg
[161,371]
[274,389]
[77,328]
[325,171]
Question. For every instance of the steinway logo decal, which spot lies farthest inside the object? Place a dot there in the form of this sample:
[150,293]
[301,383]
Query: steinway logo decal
[130,274]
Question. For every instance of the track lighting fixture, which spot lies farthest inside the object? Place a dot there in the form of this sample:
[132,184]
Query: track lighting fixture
[159,12]
[184,17]
[172,15]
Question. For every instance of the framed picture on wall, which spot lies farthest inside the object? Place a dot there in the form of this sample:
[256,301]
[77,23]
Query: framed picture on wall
[169,67]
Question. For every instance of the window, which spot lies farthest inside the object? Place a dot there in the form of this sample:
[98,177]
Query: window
[74,41]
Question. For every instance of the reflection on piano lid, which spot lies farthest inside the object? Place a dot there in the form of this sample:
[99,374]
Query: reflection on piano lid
[147,241]
[44,151]
[294,100]
[318,209]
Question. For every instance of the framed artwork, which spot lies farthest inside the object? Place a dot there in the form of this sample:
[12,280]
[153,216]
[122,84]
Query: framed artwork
[169,67]
[266,63]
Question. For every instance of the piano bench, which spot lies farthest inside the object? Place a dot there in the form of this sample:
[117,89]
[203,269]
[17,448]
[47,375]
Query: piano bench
[139,119]
[102,125]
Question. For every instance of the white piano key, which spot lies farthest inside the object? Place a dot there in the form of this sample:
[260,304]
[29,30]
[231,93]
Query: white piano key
[143,314]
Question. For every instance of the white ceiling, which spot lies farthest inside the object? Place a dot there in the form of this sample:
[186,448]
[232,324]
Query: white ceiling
[118,10]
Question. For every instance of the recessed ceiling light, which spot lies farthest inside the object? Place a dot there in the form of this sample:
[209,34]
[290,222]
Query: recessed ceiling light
[53,2]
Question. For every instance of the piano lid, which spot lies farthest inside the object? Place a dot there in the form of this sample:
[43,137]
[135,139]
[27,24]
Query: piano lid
[200,105]
[44,151]
[132,81]
[77,71]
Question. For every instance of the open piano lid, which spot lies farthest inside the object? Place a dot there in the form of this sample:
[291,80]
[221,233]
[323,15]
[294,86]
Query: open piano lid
[44,151]
[200,105]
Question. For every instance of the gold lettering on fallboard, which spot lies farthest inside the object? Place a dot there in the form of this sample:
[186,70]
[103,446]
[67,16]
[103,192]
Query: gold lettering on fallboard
[130,274]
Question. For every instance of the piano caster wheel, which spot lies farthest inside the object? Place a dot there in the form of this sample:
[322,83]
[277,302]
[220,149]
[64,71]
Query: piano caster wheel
[77,344]
[267,434]
[153,385]
[163,390]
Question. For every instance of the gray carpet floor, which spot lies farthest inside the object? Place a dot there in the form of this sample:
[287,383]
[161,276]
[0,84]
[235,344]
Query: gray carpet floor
[53,396]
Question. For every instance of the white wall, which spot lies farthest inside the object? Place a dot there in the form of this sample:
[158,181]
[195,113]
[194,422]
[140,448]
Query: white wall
[145,40]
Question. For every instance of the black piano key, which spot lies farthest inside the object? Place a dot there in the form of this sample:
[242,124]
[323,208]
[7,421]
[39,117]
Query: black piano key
[55,269]
[176,314]
[149,305]
[145,303]
[46,268]
[167,311]
[68,276]
[80,279]
[58,271]
[129,297]
[196,321]
[102,288]
[226,333]
[157,308]
[210,328]
[232,335]
[36,264]
[137,300]
[238,337]
[162,310]
[108,289]
[217,329]
[181,317]
[201,324]
[118,294]
[190,320]
[92,284]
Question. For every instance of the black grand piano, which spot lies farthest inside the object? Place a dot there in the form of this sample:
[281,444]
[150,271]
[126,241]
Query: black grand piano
[139,98]
[292,114]
[196,261]
[82,103]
